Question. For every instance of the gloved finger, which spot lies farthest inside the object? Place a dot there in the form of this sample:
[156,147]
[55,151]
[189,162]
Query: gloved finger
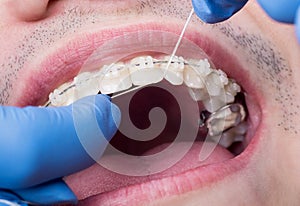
[7,199]
[281,10]
[214,11]
[297,22]
[54,192]
[40,144]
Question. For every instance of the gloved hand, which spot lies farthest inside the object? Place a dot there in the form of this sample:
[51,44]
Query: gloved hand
[214,11]
[41,144]
[281,10]
[286,11]
[53,192]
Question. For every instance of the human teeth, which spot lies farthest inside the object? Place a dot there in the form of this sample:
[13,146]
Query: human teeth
[205,84]
[202,67]
[227,139]
[208,85]
[213,103]
[195,74]
[226,118]
[56,98]
[214,84]
[114,78]
[192,79]
[198,94]
[64,95]
[223,77]
[233,88]
[241,129]
[174,73]
[144,72]
[85,85]
[235,134]
[229,98]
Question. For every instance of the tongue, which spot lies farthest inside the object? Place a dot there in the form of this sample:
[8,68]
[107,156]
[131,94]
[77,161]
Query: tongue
[97,179]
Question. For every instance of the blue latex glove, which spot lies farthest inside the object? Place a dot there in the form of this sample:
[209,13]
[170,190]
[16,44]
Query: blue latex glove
[42,144]
[54,192]
[286,11]
[7,199]
[214,11]
[281,10]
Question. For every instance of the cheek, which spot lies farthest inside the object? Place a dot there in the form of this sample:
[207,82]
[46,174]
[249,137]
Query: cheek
[290,160]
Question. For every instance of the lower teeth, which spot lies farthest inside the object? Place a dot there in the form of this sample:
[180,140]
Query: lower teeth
[216,91]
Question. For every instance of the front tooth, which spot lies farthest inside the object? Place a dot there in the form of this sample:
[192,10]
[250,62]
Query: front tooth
[114,78]
[85,85]
[144,72]
[174,74]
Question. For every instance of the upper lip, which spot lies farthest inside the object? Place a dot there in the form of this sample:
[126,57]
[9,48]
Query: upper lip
[65,63]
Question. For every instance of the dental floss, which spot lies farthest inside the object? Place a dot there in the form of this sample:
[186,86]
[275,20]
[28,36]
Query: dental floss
[179,40]
[170,60]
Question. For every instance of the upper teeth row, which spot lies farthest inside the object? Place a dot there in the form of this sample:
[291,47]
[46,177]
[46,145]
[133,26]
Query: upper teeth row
[211,86]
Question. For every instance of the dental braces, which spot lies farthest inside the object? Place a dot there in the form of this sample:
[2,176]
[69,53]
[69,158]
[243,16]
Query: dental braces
[180,62]
[225,118]
[177,62]
[224,115]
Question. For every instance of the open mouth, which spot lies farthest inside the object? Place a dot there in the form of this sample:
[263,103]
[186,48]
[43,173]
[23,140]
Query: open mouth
[197,97]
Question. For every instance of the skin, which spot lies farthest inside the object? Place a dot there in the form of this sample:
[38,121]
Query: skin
[272,175]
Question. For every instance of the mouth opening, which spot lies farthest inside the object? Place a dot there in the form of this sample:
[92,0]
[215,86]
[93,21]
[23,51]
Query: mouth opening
[159,95]
[166,123]
[155,96]
[183,93]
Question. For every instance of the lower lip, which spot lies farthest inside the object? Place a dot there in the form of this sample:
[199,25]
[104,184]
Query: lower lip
[153,189]
[49,76]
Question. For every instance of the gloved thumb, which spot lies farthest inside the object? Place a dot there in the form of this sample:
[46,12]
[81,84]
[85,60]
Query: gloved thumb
[40,144]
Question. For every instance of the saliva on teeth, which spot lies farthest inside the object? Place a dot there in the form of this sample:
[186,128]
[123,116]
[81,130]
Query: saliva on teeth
[211,86]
